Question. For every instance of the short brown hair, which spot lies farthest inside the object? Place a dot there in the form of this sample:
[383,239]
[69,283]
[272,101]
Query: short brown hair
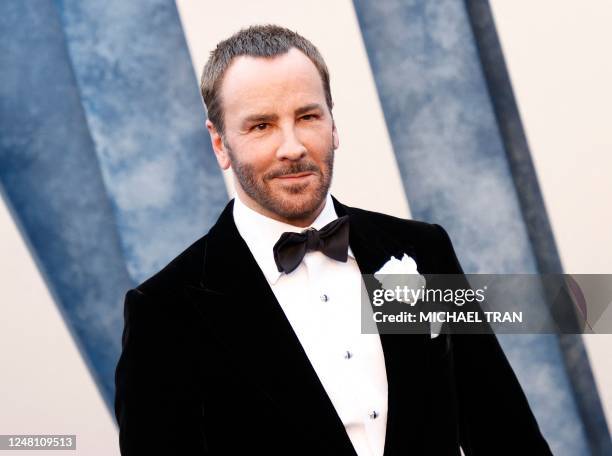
[255,41]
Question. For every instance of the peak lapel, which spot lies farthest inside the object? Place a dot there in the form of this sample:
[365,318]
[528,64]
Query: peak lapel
[238,306]
[367,245]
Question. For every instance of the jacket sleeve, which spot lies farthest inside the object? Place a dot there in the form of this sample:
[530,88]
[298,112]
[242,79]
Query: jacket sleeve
[493,412]
[154,413]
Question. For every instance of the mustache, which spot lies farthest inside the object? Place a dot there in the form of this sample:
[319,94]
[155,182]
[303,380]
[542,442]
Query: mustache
[294,168]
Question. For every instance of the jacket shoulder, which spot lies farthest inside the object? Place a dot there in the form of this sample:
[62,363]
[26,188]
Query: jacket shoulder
[185,268]
[428,243]
[397,227]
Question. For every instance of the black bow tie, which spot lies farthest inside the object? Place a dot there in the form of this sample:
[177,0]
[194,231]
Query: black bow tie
[332,240]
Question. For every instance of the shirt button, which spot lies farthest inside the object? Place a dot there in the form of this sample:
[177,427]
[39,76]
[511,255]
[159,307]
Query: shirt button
[324,297]
[348,355]
[373,415]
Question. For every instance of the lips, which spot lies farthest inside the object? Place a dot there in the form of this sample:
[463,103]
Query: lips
[294,176]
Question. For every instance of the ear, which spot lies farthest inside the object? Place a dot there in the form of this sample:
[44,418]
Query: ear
[218,147]
[335,137]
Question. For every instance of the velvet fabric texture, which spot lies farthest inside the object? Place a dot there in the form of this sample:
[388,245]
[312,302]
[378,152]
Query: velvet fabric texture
[211,366]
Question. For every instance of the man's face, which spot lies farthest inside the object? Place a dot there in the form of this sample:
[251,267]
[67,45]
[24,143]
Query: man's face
[279,135]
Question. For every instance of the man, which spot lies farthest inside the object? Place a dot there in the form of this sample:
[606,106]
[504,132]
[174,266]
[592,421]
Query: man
[248,342]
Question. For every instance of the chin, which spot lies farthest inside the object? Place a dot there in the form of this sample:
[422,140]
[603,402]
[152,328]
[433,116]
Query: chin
[297,206]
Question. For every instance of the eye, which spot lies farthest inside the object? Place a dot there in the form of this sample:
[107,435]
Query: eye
[260,127]
[309,117]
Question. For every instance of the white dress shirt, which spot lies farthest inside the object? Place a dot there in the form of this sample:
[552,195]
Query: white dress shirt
[322,301]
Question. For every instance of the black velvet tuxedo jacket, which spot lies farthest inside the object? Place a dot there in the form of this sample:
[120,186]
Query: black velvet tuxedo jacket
[211,366]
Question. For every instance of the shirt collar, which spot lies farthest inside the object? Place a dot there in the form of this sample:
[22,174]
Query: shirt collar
[261,233]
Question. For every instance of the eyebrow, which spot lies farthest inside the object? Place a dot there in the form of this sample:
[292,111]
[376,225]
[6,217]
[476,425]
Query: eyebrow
[257,118]
[261,118]
[308,107]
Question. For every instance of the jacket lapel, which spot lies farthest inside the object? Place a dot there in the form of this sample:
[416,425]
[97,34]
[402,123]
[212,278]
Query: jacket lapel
[405,355]
[238,306]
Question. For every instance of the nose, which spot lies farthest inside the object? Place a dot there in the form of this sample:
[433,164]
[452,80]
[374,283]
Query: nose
[291,148]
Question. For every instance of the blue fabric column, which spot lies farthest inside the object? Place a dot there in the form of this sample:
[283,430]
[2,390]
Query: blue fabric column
[455,171]
[534,214]
[146,118]
[51,181]
[104,157]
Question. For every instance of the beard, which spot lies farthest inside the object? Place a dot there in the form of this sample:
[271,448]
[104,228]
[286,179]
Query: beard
[293,201]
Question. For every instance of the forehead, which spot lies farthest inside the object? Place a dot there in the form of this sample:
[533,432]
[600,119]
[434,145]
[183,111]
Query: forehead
[256,83]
